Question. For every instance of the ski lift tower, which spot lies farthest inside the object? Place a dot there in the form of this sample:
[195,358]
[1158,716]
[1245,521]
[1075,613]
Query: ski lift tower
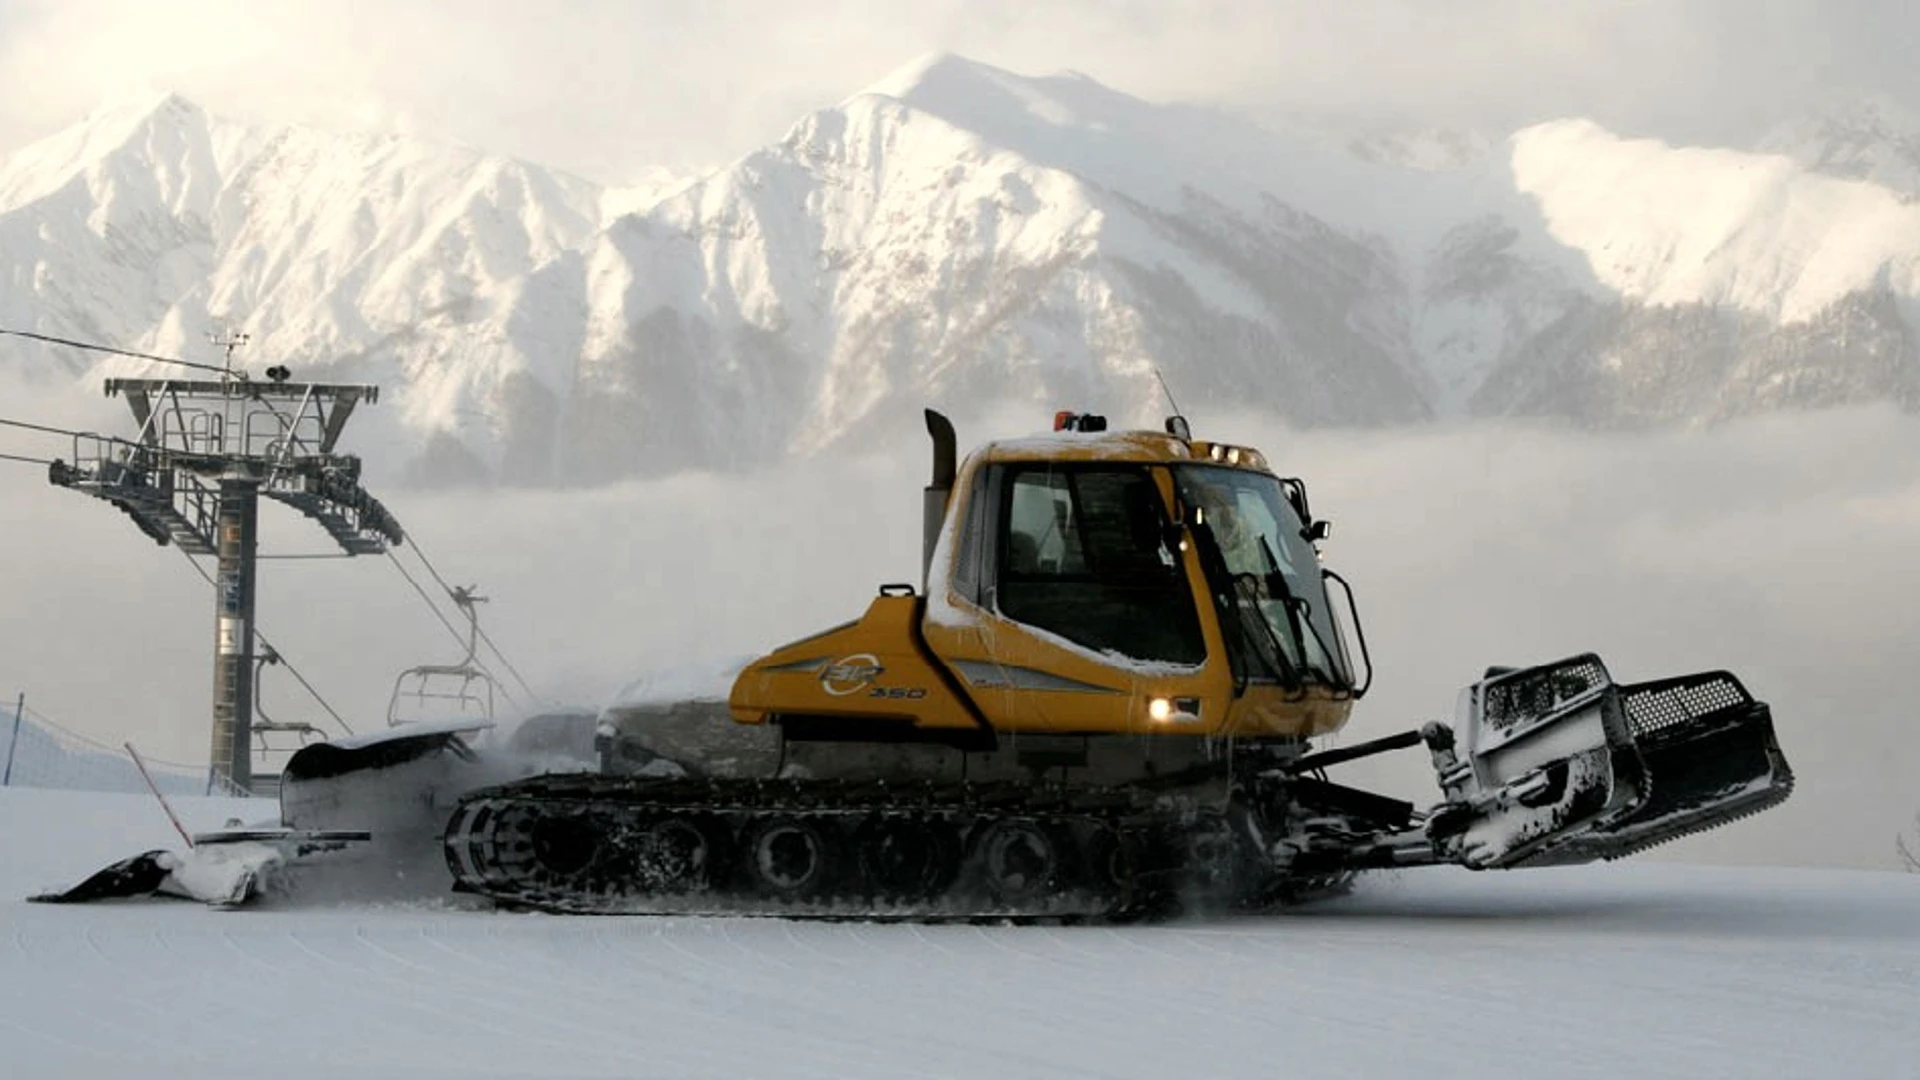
[205,452]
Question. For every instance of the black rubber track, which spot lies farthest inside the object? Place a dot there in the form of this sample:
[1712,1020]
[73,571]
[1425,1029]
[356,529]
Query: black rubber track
[813,849]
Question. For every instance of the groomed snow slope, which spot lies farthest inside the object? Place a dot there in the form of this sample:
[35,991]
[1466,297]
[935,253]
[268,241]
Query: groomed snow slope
[1617,971]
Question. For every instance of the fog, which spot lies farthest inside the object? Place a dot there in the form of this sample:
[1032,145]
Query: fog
[1781,548]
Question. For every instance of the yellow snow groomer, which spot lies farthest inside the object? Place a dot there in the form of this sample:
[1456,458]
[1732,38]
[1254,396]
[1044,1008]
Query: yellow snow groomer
[1100,702]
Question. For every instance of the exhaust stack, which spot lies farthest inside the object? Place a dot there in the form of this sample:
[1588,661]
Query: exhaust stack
[933,508]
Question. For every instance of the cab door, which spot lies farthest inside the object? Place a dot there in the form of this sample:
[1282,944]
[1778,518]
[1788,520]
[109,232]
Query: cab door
[1070,599]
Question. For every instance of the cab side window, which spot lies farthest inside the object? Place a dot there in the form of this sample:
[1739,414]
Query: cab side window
[1083,554]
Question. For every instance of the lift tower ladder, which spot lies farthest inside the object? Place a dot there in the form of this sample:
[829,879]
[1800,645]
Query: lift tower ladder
[205,452]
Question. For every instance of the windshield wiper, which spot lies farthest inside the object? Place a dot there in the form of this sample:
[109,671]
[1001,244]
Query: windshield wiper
[1299,613]
[1276,652]
[1214,562]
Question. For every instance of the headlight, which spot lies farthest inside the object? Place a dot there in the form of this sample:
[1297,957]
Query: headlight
[1173,710]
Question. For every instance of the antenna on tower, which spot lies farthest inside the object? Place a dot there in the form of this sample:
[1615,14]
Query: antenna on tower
[230,341]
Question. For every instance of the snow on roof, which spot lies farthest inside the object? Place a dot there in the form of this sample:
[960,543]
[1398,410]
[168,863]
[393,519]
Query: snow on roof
[1115,445]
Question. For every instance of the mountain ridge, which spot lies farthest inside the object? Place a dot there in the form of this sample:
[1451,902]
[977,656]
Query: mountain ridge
[961,236]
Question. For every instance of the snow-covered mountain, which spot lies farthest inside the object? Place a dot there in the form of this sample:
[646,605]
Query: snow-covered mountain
[962,237]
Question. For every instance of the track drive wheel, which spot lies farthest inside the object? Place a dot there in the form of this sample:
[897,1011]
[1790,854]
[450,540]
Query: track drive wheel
[564,845]
[681,853]
[907,859]
[1109,866]
[1020,860]
[791,858]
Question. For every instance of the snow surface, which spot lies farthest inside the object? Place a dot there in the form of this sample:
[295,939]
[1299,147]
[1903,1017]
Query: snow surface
[1631,970]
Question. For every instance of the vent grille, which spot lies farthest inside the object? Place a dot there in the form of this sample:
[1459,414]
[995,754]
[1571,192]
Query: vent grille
[1657,706]
[1536,692]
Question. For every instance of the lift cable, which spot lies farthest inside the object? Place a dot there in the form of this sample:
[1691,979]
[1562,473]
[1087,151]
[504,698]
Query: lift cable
[288,664]
[52,340]
[22,424]
[41,427]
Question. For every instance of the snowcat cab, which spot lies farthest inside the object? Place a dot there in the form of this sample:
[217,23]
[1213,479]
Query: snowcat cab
[1094,584]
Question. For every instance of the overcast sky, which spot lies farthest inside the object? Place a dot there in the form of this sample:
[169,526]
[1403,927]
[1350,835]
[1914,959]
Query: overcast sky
[609,88]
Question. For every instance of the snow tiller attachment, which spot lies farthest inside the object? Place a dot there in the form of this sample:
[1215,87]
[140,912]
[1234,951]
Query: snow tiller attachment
[1556,764]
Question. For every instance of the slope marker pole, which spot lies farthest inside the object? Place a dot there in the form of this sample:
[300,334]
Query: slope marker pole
[19,710]
[155,788]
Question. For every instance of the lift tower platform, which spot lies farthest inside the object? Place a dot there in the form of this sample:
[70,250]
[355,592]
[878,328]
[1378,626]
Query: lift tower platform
[205,453]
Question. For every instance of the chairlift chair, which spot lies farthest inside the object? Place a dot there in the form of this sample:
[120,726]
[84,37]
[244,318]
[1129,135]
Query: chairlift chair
[461,691]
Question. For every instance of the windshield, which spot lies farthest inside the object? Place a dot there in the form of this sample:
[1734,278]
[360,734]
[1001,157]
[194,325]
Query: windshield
[1270,587]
